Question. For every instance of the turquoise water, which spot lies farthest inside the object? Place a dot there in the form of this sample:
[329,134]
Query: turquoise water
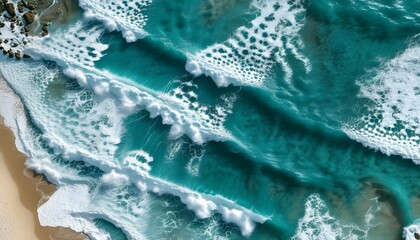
[231,119]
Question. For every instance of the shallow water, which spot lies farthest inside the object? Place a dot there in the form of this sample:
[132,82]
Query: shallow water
[236,119]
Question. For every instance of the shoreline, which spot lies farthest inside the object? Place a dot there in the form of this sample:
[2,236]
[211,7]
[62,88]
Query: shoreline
[23,190]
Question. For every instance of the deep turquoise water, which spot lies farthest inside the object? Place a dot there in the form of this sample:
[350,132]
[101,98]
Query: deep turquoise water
[230,120]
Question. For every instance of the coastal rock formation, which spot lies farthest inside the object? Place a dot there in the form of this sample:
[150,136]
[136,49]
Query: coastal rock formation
[19,21]
[20,6]
[10,8]
[29,17]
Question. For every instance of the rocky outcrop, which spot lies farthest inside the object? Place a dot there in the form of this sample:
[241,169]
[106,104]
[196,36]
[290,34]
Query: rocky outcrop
[31,6]
[29,17]
[45,28]
[10,8]
[20,6]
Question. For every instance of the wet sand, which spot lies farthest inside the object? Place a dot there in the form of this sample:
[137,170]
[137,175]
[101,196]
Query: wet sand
[20,193]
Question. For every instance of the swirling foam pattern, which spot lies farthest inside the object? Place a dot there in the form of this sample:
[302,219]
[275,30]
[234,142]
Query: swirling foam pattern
[394,120]
[127,16]
[249,56]
[178,109]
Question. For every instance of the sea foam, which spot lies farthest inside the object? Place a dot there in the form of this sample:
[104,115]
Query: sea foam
[317,223]
[125,16]
[80,140]
[184,115]
[79,124]
[393,123]
[250,55]
[412,229]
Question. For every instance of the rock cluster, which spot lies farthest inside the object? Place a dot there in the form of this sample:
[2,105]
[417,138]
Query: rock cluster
[15,26]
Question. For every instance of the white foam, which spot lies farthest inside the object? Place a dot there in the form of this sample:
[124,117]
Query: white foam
[317,223]
[77,43]
[176,109]
[392,123]
[138,161]
[114,179]
[80,125]
[128,17]
[250,55]
[96,144]
[40,160]
[409,231]
[61,207]
[27,141]
[202,207]
[73,123]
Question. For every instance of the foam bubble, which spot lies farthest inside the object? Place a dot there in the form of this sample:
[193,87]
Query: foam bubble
[392,123]
[125,16]
[114,179]
[239,218]
[249,56]
[203,208]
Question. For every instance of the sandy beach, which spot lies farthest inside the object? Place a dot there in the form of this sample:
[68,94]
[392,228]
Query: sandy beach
[20,194]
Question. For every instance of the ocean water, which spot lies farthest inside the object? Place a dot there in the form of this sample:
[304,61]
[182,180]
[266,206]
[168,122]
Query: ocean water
[224,119]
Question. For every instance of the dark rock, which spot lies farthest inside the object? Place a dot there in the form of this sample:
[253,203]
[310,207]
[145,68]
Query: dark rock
[417,236]
[26,56]
[27,29]
[12,25]
[44,34]
[10,8]
[17,55]
[31,6]
[20,6]
[29,17]
[45,29]
[6,40]
[2,24]
[11,54]
[1,7]
[15,44]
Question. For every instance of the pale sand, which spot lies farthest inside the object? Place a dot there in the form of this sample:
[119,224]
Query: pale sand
[20,194]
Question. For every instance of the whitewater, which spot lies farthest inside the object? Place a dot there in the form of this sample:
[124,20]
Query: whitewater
[206,119]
